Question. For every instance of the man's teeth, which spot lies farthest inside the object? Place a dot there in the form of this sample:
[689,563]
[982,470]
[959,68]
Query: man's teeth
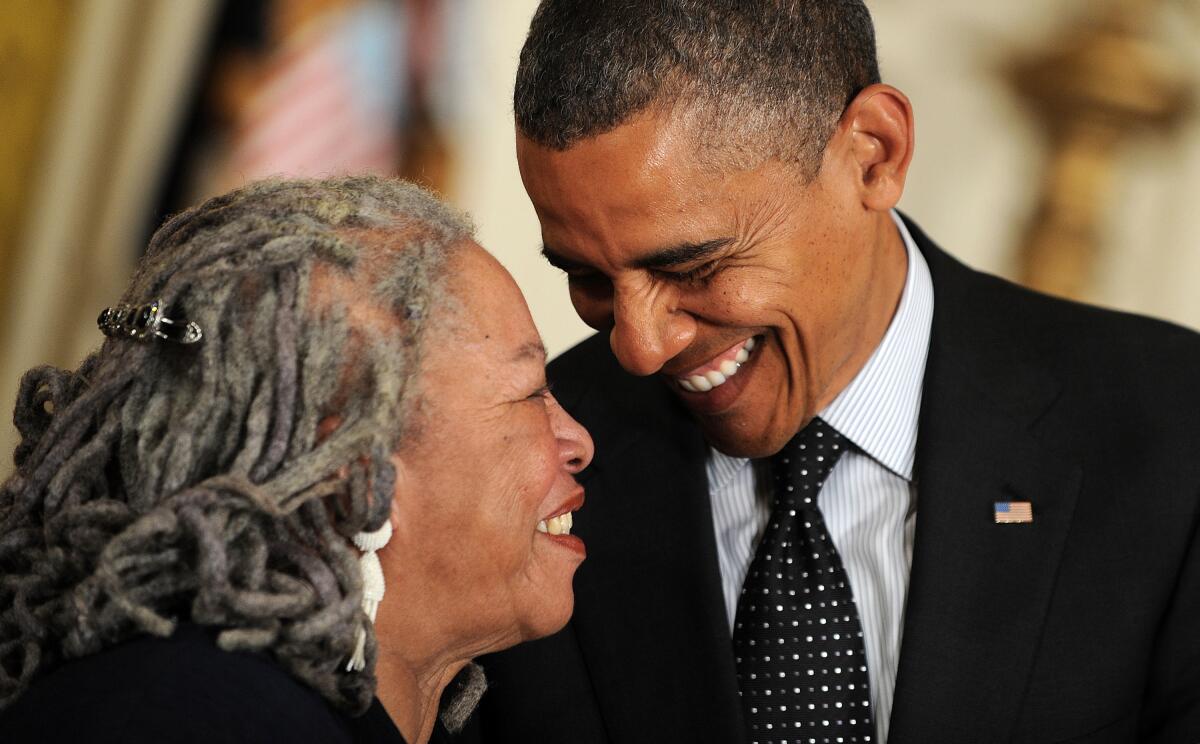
[717,377]
[560,525]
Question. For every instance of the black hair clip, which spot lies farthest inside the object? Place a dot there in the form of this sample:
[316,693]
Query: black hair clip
[146,322]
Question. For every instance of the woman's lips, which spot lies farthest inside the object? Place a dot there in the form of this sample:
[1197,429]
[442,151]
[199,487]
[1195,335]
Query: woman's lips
[558,529]
[569,541]
[557,526]
[560,521]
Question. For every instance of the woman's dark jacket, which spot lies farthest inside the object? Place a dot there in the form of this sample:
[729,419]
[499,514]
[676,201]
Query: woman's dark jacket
[182,689]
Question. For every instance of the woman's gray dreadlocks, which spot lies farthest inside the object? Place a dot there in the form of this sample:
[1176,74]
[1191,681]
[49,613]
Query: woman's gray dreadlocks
[161,482]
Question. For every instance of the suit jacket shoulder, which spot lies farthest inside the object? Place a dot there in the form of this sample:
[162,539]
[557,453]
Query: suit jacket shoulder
[1089,415]
[1090,350]
[1095,383]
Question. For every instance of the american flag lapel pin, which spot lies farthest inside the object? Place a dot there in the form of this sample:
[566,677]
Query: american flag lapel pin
[1013,512]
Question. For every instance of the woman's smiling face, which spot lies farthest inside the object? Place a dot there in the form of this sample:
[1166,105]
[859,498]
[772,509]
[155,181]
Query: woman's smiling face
[489,470]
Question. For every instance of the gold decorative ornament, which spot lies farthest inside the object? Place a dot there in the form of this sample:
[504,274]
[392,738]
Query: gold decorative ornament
[1094,88]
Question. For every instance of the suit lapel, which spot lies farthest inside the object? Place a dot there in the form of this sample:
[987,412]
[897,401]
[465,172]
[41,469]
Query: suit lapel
[650,613]
[978,591]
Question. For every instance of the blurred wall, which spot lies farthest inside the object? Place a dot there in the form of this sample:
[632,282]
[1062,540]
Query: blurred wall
[979,153]
[123,80]
[487,182]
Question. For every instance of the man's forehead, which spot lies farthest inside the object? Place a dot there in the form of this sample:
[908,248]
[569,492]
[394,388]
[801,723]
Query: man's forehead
[637,198]
[646,152]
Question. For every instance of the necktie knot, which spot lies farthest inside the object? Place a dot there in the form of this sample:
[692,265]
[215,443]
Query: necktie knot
[804,463]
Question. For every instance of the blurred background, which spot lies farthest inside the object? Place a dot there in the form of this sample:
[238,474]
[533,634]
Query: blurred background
[1058,141]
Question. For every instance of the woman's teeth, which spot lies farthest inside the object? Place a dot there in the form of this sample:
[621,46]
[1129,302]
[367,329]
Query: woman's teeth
[560,525]
[702,383]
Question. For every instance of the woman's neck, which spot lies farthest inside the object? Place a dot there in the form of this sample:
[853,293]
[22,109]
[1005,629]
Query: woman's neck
[420,647]
[411,695]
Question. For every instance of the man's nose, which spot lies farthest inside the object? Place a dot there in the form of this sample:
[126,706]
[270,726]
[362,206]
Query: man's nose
[648,331]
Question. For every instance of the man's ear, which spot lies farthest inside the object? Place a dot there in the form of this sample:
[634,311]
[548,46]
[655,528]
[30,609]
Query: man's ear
[877,132]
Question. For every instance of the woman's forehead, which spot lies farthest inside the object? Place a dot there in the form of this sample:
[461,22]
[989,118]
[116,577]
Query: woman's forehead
[492,320]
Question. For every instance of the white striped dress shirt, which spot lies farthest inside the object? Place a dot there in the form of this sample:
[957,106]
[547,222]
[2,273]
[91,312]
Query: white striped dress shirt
[868,501]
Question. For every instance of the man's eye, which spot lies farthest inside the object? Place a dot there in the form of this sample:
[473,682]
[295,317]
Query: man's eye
[697,275]
[577,275]
[541,393]
[586,279]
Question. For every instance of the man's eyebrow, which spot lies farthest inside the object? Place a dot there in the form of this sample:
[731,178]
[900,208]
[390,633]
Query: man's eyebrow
[660,259]
[682,254]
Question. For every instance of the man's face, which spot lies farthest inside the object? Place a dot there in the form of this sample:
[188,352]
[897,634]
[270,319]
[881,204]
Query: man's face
[691,270]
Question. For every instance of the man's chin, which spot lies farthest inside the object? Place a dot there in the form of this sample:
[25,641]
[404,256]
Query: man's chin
[737,439]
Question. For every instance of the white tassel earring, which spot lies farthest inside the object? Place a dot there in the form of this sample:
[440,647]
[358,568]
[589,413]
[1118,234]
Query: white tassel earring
[372,574]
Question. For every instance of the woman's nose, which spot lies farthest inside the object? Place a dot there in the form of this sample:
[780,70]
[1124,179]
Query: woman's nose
[575,444]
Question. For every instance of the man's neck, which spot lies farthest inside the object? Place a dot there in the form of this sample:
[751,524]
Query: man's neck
[885,292]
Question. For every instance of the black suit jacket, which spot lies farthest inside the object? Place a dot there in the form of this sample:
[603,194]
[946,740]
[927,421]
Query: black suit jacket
[1083,626]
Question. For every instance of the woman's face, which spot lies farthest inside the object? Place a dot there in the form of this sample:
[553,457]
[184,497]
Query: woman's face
[491,461]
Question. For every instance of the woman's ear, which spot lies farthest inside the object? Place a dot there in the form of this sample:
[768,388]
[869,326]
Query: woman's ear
[402,487]
[877,132]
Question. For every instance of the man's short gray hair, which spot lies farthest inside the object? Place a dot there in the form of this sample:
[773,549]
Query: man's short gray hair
[764,80]
[161,482]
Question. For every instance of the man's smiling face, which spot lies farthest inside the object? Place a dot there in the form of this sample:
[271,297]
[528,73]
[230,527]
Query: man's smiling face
[691,270]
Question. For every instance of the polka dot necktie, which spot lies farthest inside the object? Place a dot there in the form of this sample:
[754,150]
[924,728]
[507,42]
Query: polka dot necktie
[802,671]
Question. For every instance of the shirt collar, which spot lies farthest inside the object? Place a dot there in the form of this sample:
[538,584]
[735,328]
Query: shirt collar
[879,410]
[721,468]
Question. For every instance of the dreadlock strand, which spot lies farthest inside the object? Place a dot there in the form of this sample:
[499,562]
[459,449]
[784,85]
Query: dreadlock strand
[285,380]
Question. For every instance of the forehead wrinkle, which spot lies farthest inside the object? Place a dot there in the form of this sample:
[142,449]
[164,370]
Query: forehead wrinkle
[760,218]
